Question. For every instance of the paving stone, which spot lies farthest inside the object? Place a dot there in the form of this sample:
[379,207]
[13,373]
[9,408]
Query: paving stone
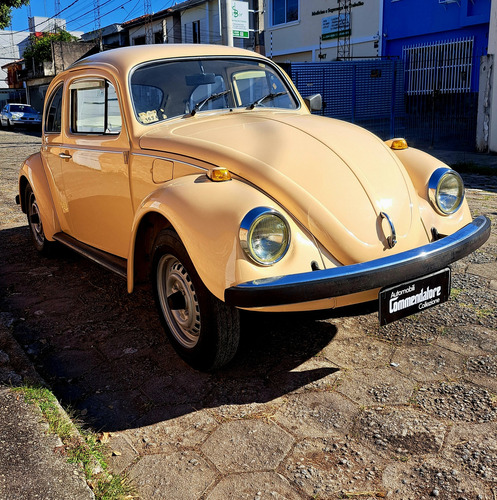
[376,386]
[333,468]
[485,270]
[458,401]
[482,370]
[425,479]
[180,476]
[474,448]
[317,414]
[402,431]
[358,352]
[469,340]
[188,430]
[428,363]
[247,445]
[121,454]
[254,486]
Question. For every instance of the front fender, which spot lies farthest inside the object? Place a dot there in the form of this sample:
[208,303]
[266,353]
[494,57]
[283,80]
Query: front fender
[33,173]
[420,166]
[207,216]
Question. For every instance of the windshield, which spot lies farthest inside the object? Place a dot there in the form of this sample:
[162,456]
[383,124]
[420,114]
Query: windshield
[167,89]
[22,108]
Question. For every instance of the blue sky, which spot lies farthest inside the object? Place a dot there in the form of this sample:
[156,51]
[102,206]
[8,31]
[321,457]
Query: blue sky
[80,14]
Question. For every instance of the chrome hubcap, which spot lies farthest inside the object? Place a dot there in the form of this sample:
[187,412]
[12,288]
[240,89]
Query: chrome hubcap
[182,316]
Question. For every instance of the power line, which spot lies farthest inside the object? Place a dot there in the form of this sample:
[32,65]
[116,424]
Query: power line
[44,21]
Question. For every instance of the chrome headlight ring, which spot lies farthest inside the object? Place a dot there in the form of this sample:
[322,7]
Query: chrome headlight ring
[446,190]
[264,235]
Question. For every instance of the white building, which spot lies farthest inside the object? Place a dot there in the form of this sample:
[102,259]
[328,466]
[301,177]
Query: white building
[12,45]
[308,30]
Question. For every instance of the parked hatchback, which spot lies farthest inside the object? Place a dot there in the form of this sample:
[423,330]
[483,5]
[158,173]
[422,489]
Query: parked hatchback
[202,170]
[19,114]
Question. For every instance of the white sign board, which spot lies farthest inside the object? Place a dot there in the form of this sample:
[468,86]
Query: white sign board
[335,27]
[240,19]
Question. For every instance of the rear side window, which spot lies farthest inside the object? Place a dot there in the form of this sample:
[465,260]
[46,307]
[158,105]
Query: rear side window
[94,108]
[53,112]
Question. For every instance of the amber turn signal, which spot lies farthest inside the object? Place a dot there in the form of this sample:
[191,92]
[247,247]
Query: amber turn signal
[398,144]
[219,174]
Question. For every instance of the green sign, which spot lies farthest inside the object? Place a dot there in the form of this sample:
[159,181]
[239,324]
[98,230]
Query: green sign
[335,27]
[240,19]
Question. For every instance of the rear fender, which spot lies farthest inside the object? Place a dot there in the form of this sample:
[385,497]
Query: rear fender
[33,173]
[207,216]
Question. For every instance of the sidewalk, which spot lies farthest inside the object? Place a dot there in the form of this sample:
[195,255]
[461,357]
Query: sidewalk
[32,462]
[452,157]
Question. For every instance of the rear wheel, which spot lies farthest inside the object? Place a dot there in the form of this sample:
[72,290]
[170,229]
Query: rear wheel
[36,228]
[202,329]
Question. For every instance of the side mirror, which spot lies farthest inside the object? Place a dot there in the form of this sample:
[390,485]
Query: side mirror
[314,102]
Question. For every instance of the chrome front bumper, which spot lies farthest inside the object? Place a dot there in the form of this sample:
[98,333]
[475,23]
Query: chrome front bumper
[317,285]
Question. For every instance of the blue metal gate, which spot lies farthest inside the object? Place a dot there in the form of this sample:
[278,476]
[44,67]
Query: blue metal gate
[378,95]
[369,93]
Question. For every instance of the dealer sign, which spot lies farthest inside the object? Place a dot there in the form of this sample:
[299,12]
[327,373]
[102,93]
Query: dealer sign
[402,300]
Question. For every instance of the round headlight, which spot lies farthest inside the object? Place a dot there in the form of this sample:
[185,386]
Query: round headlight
[264,235]
[446,190]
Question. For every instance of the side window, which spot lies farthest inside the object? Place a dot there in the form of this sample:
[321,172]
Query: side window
[53,112]
[94,108]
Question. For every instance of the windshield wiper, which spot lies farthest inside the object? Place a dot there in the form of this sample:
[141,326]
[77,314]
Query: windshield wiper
[201,104]
[269,96]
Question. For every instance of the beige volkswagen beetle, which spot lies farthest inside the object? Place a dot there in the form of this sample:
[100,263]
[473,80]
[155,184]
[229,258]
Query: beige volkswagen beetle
[202,169]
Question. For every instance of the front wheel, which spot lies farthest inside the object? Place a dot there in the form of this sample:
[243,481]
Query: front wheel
[202,329]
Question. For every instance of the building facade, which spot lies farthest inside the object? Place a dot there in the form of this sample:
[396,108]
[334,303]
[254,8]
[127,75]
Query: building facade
[455,31]
[192,21]
[12,45]
[317,30]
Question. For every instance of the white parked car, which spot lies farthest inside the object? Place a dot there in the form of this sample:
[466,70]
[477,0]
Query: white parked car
[19,114]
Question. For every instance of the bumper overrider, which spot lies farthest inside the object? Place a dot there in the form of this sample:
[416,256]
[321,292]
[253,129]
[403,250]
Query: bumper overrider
[338,281]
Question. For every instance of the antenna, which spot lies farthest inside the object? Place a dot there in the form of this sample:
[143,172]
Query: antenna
[343,47]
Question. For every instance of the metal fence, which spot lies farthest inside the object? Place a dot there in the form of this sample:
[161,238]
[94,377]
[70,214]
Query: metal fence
[368,93]
[426,97]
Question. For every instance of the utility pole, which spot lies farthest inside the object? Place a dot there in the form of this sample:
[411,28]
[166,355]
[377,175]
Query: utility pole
[96,4]
[228,23]
[149,36]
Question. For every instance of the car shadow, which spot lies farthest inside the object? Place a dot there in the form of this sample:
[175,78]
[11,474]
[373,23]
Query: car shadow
[104,353]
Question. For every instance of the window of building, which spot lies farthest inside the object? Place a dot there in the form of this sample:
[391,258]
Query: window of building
[94,108]
[159,37]
[54,112]
[196,31]
[139,40]
[285,11]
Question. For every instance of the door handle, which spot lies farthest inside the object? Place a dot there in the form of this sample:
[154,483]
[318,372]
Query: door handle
[66,156]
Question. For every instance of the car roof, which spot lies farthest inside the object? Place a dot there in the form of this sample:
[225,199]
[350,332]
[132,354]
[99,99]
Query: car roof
[125,58]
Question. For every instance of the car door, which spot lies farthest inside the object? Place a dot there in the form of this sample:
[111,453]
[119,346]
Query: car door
[51,150]
[95,166]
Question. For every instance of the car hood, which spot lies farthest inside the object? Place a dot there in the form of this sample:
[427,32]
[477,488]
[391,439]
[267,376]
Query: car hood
[333,177]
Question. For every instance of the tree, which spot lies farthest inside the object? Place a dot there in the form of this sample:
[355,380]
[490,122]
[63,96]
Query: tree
[6,7]
[40,47]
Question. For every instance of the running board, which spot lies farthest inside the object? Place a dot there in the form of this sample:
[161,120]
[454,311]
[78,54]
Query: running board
[115,264]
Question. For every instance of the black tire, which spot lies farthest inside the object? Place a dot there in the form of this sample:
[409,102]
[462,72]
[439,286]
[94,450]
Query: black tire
[203,330]
[40,242]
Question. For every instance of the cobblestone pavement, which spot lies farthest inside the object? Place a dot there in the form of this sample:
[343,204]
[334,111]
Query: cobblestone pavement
[314,406]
